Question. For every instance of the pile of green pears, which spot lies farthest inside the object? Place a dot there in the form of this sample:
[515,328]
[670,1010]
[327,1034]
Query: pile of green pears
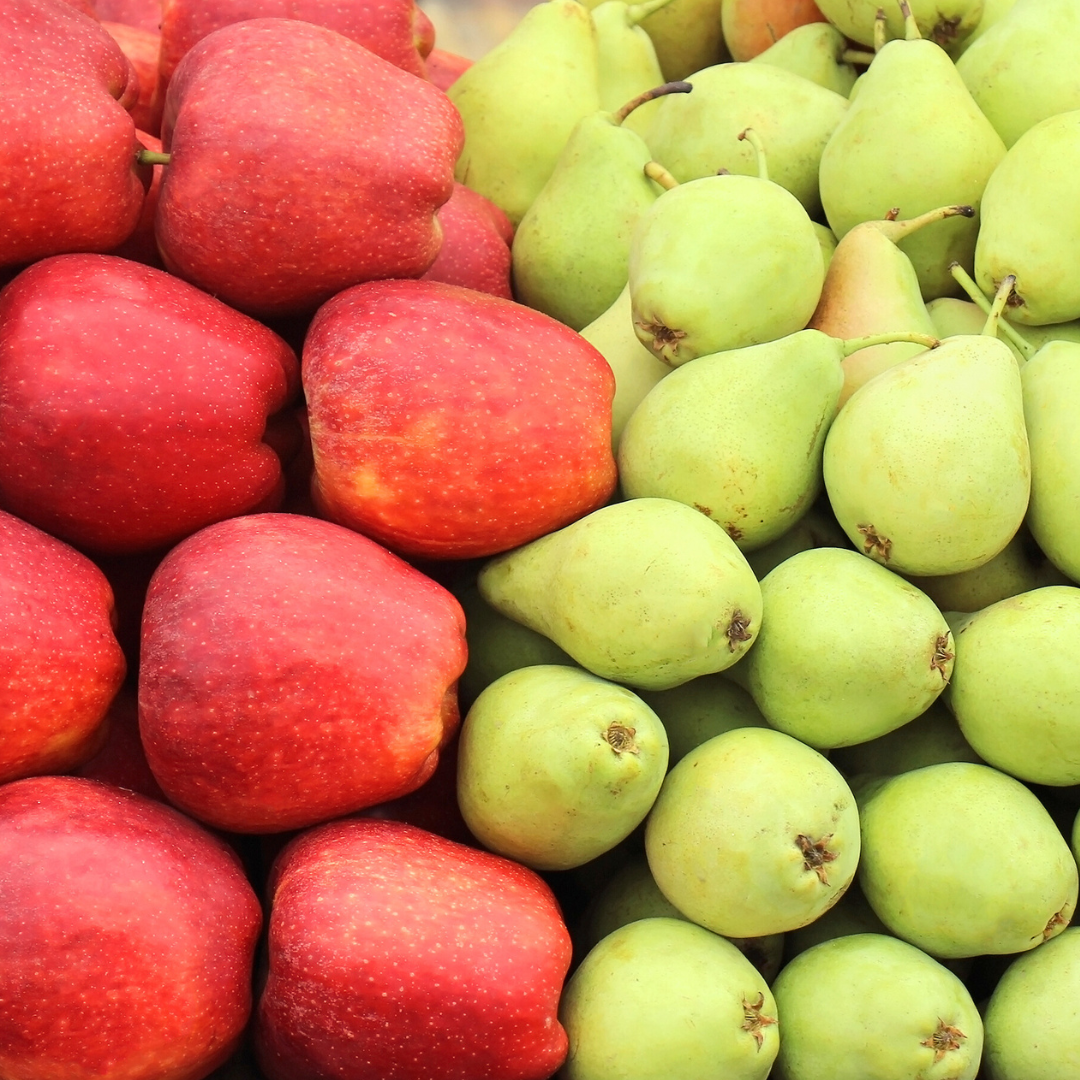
[793,723]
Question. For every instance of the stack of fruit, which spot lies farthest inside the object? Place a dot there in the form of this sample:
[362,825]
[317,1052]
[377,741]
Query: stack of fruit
[558,564]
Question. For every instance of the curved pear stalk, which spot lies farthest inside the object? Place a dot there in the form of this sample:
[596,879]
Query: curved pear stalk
[967,283]
[658,174]
[674,87]
[751,136]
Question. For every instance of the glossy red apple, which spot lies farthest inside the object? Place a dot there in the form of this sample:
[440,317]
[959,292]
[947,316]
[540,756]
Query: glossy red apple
[293,671]
[301,164]
[60,663]
[450,424]
[68,174]
[395,954]
[134,408]
[127,934]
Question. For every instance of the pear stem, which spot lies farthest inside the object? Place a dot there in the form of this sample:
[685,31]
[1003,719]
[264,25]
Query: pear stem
[857,56]
[636,12]
[651,95]
[655,171]
[911,27]
[1001,298]
[851,345]
[880,31]
[152,157]
[967,283]
[896,230]
[754,139]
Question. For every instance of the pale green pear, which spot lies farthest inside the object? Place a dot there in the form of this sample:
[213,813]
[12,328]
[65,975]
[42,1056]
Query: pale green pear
[816,528]
[738,435]
[571,250]
[1016,694]
[697,134]
[816,52]
[912,139]
[521,100]
[1031,223]
[952,317]
[1023,69]
[647,592]
[870,1005]
[961,860]
[663,999]
[993,12]
[720,263]
[1032,1020]
[827,240]
[847,652]
[927,466]
[753,833]
[556,766]
[945,22]
[872,288]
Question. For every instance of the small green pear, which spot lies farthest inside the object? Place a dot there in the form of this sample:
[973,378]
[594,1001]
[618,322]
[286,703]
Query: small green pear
[663,999]
[753,833]
[847,652]
[520,101]
[816,52]
[945,22]
[870,1005]
[556,766]
[961,860]
[646,592]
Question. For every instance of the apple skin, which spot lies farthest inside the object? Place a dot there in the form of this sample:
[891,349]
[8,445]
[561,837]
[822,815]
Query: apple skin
[395,954]
[60,663]
[68,175]
[128,935]
[475,251]
[449,424]
[294,671]
[141,245]
[145,14]
[301,164]
[444,67]
[133,406]
[141,47]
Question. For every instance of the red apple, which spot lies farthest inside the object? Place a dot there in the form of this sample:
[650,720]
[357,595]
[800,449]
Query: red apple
[143,13]
[127,934]
[68,174]
[449,424]
[475,250]
[301,164]
[133,407]
[444,67]
[141,47]
[141,245]
[293,671]
[60,663]
[395,954]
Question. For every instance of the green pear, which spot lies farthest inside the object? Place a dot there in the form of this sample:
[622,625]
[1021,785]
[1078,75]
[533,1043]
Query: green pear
[914,139]
[816,52]
[872,288]
[993,12]
[688,300]
[697,135]
[1032,1020]
[1016,694]
[753,833]
[571,248]
[945,22]
[1023,69]
[847,651]
[961,860]
[738,435]
[952,317]
[700,709]
[851,914]
[521,100]
[1031,223]
[647,592]
[663,999]
[556,766]
[636,369]
[870,1005]
[816,528]
[827,240]
[927,465]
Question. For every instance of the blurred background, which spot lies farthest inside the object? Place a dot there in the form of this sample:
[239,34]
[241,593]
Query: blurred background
[472,27]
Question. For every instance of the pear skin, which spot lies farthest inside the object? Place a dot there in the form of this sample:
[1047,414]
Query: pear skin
[945,22]
[816,52]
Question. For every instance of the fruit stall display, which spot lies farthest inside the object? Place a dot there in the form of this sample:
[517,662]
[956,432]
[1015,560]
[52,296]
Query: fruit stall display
[539,541]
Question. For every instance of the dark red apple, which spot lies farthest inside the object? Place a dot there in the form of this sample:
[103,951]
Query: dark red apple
[449,424]
[293,671]
[475,250]
[68,174]
[301,164]
[395,954]
[60,663]
[141,245]
[133,407]
[127,934]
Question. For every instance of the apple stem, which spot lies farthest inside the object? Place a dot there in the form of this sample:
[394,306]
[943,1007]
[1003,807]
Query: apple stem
[651,95]
[967,283]
[752,137]
[851,345]
[655,171]
[152,157]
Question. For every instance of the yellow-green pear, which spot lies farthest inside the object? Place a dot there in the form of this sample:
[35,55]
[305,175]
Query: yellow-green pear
[637,369]
[520,101]
[818,527]
[912,139]
[945,22]
[816,52]
[646,592]
[557,766]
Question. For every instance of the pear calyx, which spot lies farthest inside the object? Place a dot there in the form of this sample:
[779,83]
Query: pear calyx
[945,1038]
[874,544]
[738,630]
[942,655]
[816,854]
[754,1019]
[621,738]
